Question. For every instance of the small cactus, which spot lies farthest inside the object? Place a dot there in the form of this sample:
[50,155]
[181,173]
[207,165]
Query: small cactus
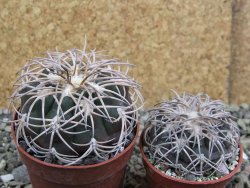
[75,104]
[193,135]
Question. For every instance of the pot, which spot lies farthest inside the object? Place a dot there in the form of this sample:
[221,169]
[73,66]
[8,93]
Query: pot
[157,179]
[107,174]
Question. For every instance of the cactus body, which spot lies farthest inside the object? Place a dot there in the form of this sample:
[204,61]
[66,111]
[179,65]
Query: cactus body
[72,105]
[193,135]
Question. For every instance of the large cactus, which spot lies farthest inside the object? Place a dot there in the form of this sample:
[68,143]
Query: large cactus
[75,105]
[192,135]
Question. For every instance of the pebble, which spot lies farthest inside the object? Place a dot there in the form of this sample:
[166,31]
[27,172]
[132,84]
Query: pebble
[21,174]
[6,147]
[6,111]
[139,160]
[245,157]
[138,167]
[233,108]
[5,120]
[9,155]
[2,155]
[8,129]
[232,166]
[10,167]
[15,183]
[174,174]
[5,139]
[244,106]
[247,115]
[190,177]
[242,124]
[168,172]
[3,126]
[12,144]
[2,164]
[246,121]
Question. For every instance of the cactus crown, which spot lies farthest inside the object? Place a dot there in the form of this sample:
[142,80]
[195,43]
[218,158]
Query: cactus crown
[193,135]
[75,105]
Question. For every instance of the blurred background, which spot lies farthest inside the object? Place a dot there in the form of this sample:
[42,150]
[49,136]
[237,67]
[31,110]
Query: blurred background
[193,46]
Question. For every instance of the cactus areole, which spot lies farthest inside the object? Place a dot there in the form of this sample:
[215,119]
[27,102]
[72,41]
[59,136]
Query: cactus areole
[75,107]
[192,137]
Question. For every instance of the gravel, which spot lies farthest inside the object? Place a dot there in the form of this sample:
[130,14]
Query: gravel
[10,162]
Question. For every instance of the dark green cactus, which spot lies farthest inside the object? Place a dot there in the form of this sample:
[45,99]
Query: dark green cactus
[73,105]
[193,135]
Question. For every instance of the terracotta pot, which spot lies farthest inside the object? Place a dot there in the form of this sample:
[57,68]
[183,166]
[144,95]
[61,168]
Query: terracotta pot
[107,174]
[157,179]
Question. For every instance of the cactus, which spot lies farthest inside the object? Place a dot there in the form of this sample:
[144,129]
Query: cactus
[75,105]
[193,136]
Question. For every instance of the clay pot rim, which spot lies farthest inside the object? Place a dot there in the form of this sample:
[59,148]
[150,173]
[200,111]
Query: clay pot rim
[228,176]
[32,158]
